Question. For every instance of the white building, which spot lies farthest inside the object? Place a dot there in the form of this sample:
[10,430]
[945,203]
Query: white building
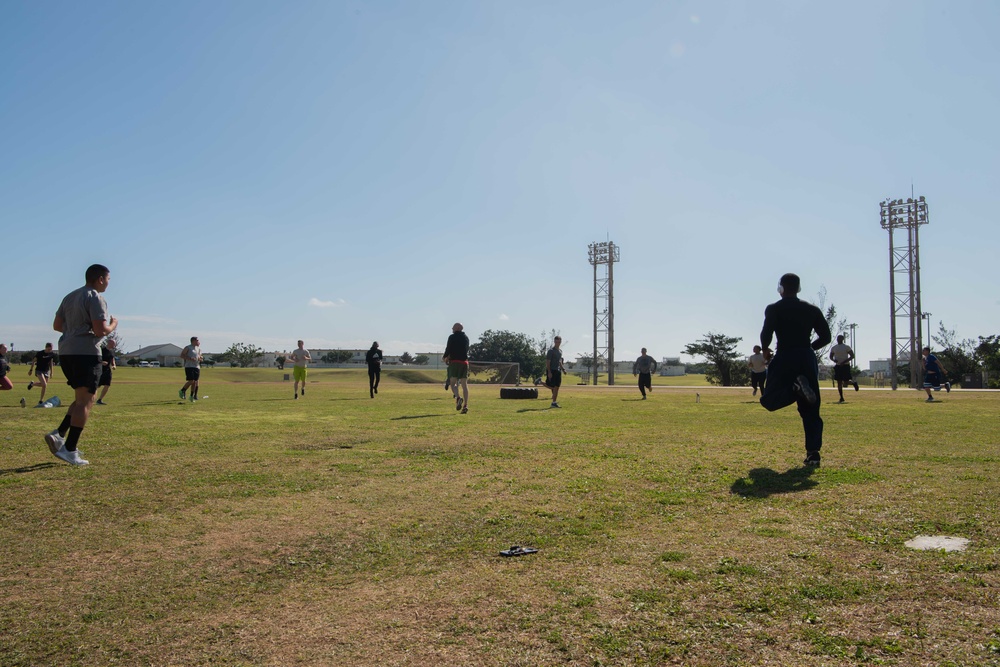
[167,354]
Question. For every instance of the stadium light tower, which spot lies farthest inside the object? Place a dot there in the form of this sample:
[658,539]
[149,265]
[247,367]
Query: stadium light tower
[604,254]
[904,294]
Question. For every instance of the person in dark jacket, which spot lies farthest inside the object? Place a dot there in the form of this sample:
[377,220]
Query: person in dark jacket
[373,358]
[456,355]
[793,371]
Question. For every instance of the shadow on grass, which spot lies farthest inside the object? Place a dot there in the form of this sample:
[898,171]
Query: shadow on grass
[166,402]
[414,417]
[32,468]
[763,482]
[546,409]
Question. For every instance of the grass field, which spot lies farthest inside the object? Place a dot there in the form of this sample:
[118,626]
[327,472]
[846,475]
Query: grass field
[251,529]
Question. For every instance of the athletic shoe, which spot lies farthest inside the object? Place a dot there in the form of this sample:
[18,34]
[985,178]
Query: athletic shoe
[947,387]
[54,441]
[40,404]
[193,398]
[23,403]
[754,393]
[458,403]
[930,399]
[554,405]
[100,402]
[856,387]
[376,390]
[802,389]
[181,394]
[72,458]
[31,384]
[371,394]
[446,387]
[842,401]
[303,390]
[812,460]
[296,397]
[465,410]
[644,398]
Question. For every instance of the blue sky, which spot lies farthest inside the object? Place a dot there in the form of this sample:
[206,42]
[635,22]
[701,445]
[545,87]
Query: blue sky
[344,172]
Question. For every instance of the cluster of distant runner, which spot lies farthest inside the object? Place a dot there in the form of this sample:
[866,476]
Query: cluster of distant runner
[783,377]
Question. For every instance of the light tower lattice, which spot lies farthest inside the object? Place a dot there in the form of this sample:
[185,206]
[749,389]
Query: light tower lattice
[904,283]
[604,254]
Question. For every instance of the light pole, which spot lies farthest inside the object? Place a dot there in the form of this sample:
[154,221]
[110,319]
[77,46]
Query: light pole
[853,326]
[927,316]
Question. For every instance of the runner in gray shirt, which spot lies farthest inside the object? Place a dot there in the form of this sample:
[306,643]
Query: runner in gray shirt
[644,367]
[84,321]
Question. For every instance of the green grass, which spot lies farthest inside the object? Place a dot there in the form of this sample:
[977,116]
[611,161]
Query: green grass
[251,529]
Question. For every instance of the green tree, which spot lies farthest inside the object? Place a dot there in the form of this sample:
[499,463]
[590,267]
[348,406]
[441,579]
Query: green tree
[838,325]
[406,358]
[337,356]
[421,359]
[957,356]
[988,355]
[511,347]
[243,354]
[280,361]
[726,365]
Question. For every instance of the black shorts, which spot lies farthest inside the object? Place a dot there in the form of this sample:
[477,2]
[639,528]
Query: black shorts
[105,380]
[842,372]
[81,371]
[555,380]
[192,374]
[757,379]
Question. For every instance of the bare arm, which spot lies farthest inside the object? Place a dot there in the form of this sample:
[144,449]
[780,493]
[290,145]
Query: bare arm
[102,328]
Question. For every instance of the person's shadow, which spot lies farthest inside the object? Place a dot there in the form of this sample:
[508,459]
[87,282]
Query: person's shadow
[763,482]
[31,468]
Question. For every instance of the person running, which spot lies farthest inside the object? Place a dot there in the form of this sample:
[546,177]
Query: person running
[644,367]
[373,358]
[107,366]
[83,321]
[5,383]
[793,372]
[300,358]
[842,355]
[191,355]
[758,369]
[934,373]
[554,370]
[41,368]
[456,355]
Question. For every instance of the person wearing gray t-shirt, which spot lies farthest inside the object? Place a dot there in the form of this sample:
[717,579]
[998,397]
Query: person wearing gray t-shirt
[83,321]
[191,354]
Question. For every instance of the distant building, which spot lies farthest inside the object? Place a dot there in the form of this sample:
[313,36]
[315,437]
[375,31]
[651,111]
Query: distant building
[165,353]
[671,367]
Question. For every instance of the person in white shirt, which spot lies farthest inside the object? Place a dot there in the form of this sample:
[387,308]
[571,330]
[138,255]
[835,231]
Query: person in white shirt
[192,368]
[841,354]
[300,358]
[758,369]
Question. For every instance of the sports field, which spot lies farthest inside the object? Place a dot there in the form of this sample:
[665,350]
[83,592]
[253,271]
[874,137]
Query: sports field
[253,529]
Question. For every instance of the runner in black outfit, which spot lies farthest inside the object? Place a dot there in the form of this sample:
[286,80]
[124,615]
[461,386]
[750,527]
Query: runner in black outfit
[373,358]
[793,374]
